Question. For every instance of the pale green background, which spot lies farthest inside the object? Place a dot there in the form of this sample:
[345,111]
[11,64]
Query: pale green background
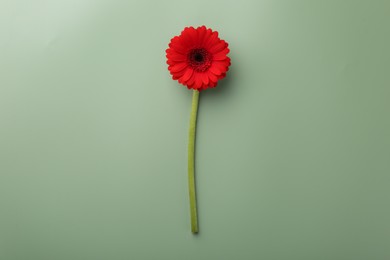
[293,148]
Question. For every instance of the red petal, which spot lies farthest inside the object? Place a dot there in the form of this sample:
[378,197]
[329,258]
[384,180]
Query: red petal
[202,31]
[215,70]
[212,77]
[221,55]
[205,78]
[177,45]
[188,37]
[185,38]
[171,62]
[187,75]
[206,37]
[221,76]
[189,86]
[194,36]
[218,47]
[191,80]
[213,84]
[213,39]
[221,65]
[172,51]
[198,81]
[176,57]
[178,67]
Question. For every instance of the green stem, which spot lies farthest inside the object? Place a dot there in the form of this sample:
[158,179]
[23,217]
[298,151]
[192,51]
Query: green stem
[191,162]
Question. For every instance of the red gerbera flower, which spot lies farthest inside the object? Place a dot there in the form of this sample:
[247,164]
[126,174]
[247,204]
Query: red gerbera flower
[197,58]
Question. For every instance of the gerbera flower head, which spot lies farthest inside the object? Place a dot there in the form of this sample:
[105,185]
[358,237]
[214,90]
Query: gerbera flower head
[197,58]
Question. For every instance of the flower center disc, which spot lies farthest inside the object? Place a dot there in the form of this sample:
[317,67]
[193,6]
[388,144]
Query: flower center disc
[199,59]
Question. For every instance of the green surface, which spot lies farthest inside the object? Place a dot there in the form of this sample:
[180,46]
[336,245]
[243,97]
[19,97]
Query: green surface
[292,151]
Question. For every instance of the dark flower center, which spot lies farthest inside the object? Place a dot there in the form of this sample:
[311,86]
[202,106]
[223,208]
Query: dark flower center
[199,59]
